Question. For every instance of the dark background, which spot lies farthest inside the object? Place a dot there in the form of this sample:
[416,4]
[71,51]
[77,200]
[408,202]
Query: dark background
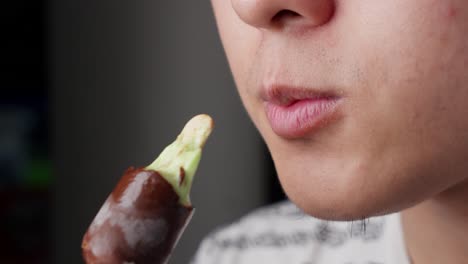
[25,160]
[91,87]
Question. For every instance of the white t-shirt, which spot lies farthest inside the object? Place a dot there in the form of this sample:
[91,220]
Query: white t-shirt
[283,234]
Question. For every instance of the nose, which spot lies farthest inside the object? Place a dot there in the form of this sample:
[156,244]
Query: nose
[269,14]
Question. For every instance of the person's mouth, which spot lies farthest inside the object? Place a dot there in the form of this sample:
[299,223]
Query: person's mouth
[295,112]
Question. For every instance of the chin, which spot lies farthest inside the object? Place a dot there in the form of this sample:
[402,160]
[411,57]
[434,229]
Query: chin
[335,208]
[347,193]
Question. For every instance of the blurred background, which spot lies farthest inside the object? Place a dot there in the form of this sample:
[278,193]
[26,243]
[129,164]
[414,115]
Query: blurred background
[91,87]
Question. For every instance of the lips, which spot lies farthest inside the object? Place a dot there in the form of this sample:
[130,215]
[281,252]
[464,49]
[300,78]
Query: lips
[298,112]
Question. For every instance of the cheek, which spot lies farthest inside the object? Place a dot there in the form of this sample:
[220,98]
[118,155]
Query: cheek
[418,85]
[241,45]
[240,41]
[422,92]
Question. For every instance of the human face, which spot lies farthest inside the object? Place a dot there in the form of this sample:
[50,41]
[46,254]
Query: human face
[362,103]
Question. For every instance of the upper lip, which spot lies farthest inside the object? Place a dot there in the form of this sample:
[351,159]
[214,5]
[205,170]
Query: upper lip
[284,95]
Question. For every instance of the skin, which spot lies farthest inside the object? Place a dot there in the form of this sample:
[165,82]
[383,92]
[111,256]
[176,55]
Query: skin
[400,139]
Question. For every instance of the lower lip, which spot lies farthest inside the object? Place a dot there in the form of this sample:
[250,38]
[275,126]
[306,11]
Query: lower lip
[302,117]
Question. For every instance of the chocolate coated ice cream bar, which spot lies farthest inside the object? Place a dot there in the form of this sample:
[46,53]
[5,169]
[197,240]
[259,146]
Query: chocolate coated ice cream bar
[144,216]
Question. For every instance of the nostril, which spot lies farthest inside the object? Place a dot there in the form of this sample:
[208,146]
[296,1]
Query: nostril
[284,14]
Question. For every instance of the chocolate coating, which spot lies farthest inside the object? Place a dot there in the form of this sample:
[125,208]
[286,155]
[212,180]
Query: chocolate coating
[140,222]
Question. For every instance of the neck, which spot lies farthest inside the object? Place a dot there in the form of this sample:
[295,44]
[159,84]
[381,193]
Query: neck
[436,231]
